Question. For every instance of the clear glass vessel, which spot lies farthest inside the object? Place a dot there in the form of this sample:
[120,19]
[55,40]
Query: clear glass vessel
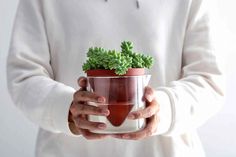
[123,95]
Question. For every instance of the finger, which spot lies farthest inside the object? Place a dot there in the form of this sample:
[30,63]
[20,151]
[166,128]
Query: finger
[87,96]
[149,130]
[149,94]
[78,109]
[149,111]
[85,124]
[82,82]
[73,128]
[92,136]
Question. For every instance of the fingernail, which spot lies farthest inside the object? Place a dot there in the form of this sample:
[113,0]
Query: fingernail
[101,99]
[101,126]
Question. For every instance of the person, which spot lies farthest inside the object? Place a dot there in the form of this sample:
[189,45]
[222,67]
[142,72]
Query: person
[48,47]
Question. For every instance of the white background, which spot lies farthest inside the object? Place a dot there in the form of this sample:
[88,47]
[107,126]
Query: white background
[18,135]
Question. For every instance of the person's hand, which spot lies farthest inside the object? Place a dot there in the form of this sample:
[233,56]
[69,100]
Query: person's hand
[149,113]
[80,110]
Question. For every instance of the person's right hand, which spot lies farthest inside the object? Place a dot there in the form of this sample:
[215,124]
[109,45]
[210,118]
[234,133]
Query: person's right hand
[80,110]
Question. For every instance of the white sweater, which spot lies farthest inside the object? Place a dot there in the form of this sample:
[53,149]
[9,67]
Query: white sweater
[49,44]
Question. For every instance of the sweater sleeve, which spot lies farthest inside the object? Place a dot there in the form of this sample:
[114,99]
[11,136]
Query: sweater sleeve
[30,76]
[199,93]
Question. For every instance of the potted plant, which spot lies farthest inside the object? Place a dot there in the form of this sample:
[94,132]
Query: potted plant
[103,62]
[114,74]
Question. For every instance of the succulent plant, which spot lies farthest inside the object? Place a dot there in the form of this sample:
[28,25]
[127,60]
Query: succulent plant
[99,58]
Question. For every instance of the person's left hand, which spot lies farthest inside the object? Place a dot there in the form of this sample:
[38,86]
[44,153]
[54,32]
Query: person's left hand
[149,113]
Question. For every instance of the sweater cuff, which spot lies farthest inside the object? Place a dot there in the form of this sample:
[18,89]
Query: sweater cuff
[165,113]
[60,109]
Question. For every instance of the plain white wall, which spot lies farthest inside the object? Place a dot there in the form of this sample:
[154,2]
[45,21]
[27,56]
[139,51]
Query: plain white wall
[18,135]
[219,133]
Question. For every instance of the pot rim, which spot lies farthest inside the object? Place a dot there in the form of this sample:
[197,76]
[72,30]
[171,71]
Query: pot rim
[105,72]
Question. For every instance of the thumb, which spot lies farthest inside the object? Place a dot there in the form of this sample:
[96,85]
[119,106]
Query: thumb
[82,82]
[149,94]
